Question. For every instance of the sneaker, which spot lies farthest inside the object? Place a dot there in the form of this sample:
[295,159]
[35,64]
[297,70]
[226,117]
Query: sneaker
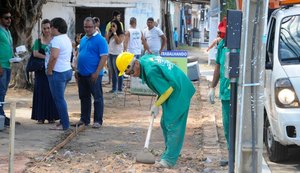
[111,91]
[120,93]
[96,125]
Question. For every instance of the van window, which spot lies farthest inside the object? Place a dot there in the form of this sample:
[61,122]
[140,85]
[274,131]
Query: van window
[270,41]
[289,40]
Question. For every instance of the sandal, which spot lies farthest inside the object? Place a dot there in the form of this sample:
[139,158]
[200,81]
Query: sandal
[40,122]
[79,123]
[51,121]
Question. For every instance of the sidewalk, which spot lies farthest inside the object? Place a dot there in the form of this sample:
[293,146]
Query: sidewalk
[206,72]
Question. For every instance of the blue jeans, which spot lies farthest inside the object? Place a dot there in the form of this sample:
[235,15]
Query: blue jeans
[4,81]
[58,82]
[116,79]
[86,88]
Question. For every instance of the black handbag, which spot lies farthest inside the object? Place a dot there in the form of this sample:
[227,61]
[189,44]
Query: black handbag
[36,64]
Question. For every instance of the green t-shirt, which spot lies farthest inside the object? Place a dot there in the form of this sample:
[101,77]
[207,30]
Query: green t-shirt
[36,46]
[6,47]
[224,82]
[159,74]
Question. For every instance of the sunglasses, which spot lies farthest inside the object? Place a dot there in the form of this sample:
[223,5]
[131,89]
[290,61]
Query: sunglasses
[6,17]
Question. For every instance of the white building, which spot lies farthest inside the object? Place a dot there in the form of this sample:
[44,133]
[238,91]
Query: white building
[75,11]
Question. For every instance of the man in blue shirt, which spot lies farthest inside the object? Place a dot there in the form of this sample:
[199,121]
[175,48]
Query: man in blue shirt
[93,51]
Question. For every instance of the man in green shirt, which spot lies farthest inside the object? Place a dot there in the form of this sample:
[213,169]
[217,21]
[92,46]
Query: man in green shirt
[219,74]
[174,90]
[6,53]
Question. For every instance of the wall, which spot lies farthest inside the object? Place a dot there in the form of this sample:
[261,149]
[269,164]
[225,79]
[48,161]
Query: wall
[141,9]
[214,19]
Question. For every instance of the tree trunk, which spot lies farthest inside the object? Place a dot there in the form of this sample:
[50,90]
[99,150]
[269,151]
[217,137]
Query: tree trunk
[25,13]
[19,78]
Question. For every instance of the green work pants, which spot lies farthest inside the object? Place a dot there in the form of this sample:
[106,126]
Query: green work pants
[173,127]
[225,119]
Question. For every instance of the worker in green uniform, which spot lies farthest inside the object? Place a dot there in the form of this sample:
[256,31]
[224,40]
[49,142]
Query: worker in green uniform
[219,74]
[174,90]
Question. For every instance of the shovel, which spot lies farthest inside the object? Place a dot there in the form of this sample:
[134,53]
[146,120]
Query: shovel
[146,156]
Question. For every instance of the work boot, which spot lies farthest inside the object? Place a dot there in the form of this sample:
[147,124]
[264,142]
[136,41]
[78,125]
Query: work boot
[162,164]
[223,162]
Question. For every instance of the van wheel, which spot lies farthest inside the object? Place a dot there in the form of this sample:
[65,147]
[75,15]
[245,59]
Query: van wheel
[276,151]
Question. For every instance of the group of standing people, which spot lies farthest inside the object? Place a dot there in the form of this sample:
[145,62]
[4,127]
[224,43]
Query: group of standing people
[55,47]
[123,51]
[151,39]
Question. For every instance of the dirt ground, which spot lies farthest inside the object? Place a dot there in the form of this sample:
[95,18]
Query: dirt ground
[114,146]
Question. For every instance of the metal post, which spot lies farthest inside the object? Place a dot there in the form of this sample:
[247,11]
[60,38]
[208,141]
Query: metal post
[233,41]
[232,124]
[249,143]
[12,137]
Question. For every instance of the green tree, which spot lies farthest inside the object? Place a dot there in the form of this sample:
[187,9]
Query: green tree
[25,14]
[225,5]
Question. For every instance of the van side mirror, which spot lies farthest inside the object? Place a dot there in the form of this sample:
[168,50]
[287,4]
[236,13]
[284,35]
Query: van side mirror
[269,65]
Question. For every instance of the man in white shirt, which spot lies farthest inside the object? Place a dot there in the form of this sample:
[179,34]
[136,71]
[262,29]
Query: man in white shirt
[155,38]
[134,39]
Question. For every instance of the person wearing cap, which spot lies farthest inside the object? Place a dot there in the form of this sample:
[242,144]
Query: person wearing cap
[219,75]
[174,90]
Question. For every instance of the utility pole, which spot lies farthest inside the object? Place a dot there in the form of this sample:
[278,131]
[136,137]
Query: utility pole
[249,124]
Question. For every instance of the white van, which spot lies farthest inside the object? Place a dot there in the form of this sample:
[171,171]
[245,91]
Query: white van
[282,83]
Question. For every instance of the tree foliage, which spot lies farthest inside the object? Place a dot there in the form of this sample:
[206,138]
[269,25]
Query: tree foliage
[25,14]
[225,5]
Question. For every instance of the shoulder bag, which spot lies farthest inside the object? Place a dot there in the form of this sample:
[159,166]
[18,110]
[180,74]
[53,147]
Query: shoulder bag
[34,63]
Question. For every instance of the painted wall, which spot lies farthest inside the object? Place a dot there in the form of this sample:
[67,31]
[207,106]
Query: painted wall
[52,10]
[140,9]
[214,19]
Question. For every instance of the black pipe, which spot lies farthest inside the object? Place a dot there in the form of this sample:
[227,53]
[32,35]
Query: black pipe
[232,124]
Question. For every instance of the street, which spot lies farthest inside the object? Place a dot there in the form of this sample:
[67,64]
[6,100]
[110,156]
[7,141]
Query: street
[113,147]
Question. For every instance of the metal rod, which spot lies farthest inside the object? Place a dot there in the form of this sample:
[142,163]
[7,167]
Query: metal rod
[253,74]
[12,137]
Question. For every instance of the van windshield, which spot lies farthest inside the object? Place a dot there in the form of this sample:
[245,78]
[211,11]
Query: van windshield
[289,40]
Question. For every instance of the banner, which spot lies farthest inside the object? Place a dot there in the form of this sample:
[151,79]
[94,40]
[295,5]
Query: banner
[178,57]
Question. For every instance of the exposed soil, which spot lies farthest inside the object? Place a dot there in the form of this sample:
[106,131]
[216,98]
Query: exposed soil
[113,147]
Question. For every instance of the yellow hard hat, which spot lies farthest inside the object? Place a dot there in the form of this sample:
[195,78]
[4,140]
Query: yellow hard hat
[123,60]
